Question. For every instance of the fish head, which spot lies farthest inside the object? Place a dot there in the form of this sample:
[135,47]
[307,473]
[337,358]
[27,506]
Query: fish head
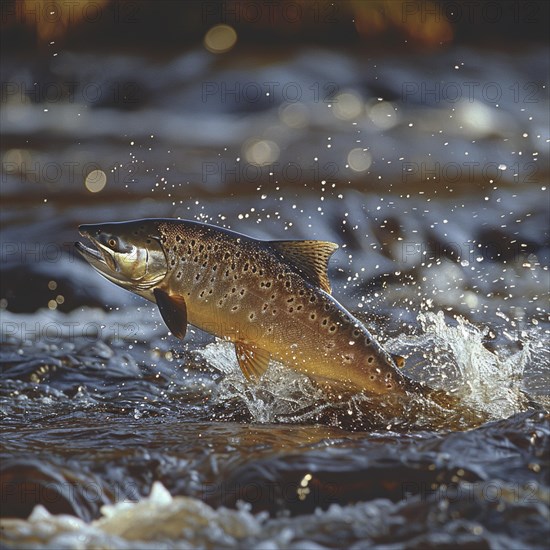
[129,254]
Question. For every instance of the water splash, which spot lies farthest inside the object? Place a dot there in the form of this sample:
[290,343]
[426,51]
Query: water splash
[280,395]
[445,354]
[148,523]
[453,356]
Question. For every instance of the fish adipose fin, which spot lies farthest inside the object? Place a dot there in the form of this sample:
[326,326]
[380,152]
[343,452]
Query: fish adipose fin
[399,361]
[252,360]
[309,257]
[173,311]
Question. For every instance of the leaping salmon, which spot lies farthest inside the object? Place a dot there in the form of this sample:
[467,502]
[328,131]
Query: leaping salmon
[271,298]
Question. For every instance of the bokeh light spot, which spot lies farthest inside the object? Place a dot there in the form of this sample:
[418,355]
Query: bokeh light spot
[347,106]
[383,114]
[95,181]
[220,39]
[359,160]
[294,115]
[261,152]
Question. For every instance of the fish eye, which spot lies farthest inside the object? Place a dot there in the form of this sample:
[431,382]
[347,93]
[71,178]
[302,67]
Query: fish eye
[112,242]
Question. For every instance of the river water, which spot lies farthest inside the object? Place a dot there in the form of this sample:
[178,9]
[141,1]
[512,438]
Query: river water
[430,171]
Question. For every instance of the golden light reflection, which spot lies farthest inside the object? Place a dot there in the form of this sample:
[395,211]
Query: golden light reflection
[220,39]
[303,490]
[427,23]
[423,22]
[53,18]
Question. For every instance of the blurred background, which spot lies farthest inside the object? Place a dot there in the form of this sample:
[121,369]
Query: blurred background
[412,133]
[415,133]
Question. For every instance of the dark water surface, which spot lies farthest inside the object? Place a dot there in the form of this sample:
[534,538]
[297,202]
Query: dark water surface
[129,438]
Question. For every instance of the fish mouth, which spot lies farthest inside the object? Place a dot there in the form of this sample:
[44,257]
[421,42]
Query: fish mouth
[97,256]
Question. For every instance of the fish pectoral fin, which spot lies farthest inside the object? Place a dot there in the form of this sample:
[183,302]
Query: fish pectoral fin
[173,310]
[252,360]
[309,257]
[399,361]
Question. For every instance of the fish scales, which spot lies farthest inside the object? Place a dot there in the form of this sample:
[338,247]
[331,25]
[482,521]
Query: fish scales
[242,291]
[271,298]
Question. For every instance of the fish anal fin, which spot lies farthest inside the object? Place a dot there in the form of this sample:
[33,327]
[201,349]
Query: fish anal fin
[398,360]
[173,311]
[309,257]
[252,360]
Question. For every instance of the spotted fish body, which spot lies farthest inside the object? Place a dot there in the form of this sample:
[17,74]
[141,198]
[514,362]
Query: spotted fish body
[271,298]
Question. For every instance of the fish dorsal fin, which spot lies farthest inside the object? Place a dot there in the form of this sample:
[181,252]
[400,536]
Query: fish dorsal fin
[309,257]
[252,360]
[173,310]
